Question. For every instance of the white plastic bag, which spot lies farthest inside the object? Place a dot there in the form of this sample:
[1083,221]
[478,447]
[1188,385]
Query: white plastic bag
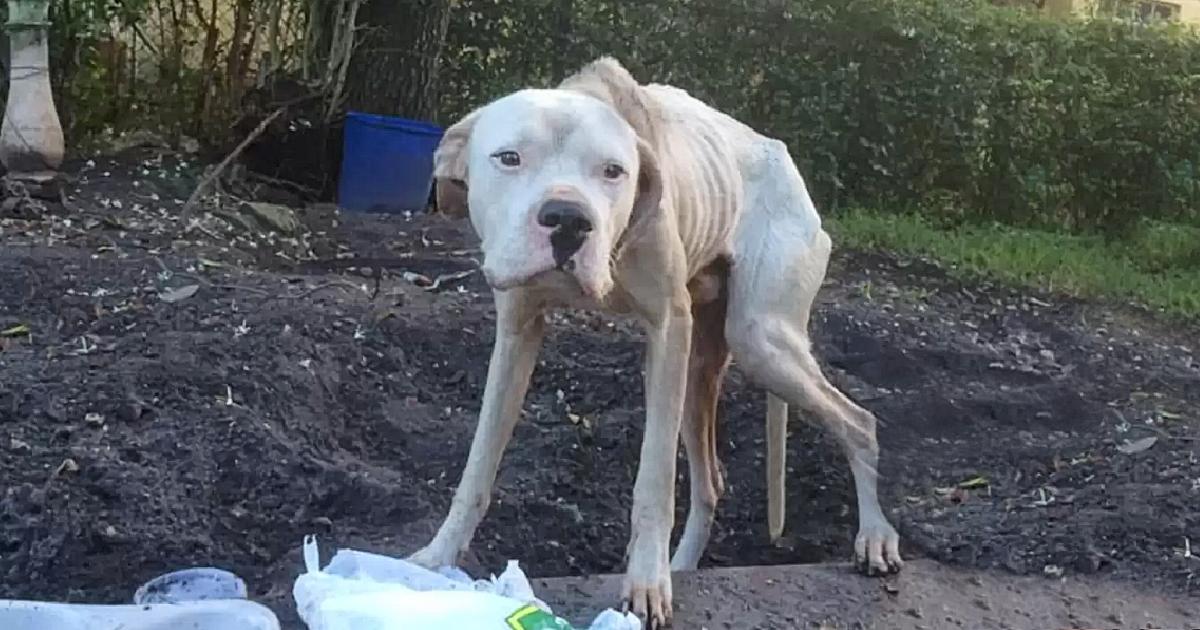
[364,591]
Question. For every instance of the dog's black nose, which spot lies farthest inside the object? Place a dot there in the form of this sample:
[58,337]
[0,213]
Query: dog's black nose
[570,225]
[567,216]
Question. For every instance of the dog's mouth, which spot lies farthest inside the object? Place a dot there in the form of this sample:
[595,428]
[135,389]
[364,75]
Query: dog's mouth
[564,254]
[504,283]
[564,244]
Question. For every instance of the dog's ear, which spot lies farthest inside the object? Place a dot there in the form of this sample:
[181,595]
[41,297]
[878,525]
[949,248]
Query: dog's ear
[607,80]
[649,184]
[647,203]
[450,167]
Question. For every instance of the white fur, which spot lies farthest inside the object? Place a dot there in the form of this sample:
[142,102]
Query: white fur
[560,154]
[722,192]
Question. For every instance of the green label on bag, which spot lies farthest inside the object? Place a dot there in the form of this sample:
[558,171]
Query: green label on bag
[533,618]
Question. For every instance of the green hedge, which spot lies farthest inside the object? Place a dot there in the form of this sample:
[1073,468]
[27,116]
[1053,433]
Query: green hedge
[958,107]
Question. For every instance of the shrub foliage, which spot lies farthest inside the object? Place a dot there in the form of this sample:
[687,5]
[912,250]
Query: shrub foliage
[976,111]
[961,108]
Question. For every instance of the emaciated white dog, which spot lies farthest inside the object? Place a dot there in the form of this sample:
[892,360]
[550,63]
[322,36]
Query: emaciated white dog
[607,194]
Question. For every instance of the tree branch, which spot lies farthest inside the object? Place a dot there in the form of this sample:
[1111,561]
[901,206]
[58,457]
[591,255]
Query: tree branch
[190,205]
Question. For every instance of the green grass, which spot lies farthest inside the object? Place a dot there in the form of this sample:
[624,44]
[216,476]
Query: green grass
[1157,266]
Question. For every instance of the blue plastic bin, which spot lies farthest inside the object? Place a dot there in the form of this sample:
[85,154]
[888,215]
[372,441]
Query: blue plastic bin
[387,163]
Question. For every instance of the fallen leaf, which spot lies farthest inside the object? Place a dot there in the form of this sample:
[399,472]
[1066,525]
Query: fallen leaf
[974,482]
[1170,415]
[579,420]
[182,293]
[1137,446]
[417,279]
[1044,498]
[67,465]
[20,330]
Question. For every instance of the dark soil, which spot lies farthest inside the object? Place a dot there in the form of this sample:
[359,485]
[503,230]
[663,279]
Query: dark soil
[926,595]
[310,384]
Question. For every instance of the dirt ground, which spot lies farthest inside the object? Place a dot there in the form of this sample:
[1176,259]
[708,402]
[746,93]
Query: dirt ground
[926,595]
[178,392]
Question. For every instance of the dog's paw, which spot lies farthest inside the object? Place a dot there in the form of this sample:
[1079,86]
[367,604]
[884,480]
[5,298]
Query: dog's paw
[647,590]
[877,549]
[649,600]
[435,556]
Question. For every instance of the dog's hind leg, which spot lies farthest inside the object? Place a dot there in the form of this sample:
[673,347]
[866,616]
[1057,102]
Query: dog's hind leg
[780,259]
[706,367]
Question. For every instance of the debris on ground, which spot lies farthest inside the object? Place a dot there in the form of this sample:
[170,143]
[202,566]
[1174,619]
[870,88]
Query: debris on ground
[201,598]
[364,591]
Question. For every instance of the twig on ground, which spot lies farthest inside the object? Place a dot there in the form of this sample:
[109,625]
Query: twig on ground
[194,224]
[1164,434]
[332,284]
[190,205]
[208,283]
[282,183]
[377,276]
[449,277]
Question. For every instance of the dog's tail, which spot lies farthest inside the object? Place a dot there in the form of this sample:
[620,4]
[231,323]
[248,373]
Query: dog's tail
[777,414]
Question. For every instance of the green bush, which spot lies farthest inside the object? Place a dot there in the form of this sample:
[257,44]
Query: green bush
[980,112]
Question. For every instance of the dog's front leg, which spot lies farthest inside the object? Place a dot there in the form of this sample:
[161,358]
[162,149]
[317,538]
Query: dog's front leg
[519,331]
[647,587]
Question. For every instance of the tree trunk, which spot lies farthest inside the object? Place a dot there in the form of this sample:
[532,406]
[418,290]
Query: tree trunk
[395,64]
[208,64]
[235,65]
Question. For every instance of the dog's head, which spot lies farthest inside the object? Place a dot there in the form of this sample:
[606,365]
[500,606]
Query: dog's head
[554,179]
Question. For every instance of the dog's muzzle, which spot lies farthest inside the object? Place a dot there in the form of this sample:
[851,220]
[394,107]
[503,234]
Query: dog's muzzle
[570,225]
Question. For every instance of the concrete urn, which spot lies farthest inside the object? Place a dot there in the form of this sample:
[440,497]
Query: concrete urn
[31,139]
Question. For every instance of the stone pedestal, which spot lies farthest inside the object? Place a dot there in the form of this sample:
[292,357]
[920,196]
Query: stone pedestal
[31,139]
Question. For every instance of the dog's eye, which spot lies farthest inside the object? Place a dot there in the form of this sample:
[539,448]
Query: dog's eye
[613,171]
[508,158]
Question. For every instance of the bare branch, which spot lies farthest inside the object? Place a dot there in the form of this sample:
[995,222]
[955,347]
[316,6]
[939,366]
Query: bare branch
[207,181]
